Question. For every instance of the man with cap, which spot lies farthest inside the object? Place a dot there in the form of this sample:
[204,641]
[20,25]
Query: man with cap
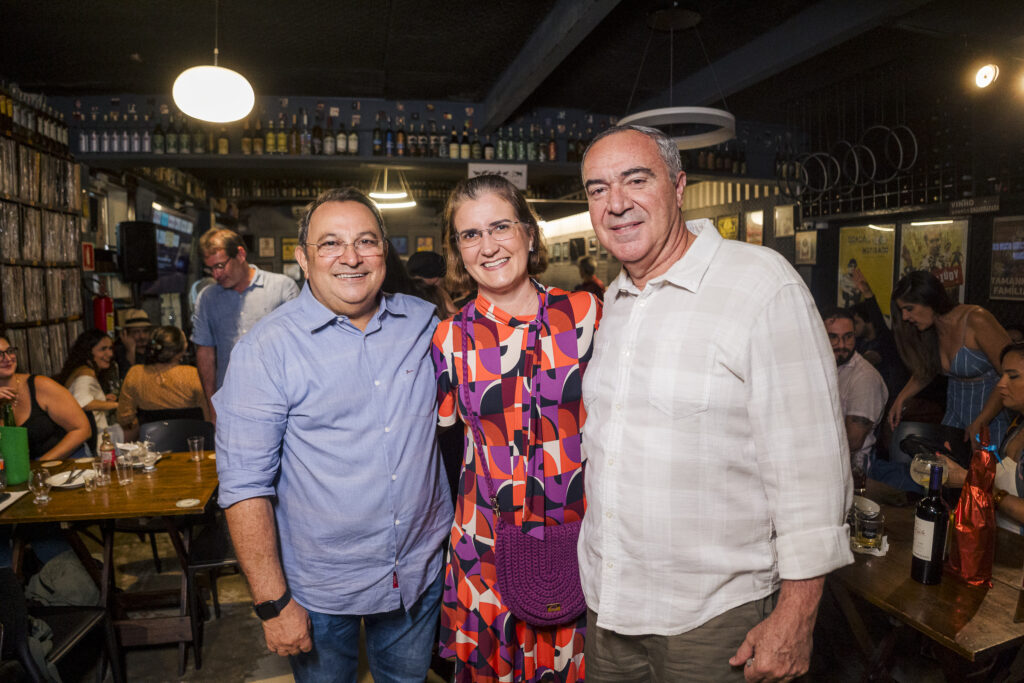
[129,349]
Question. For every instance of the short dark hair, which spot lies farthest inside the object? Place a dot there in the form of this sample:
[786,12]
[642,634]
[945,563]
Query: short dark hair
[837,313]
[468,189]
[587,266]
[339,194]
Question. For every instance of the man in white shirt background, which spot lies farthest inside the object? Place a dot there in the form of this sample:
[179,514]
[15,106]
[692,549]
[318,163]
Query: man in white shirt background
[718,476]
[862,392]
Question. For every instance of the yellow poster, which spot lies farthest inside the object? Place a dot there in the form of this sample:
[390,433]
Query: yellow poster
[872,249]
[938,246]
[729,226]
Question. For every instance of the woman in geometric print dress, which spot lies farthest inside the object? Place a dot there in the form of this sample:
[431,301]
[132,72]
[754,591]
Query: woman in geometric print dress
[529,346]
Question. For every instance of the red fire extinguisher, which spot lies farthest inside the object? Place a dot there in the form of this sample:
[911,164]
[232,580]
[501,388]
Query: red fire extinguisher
[103,311]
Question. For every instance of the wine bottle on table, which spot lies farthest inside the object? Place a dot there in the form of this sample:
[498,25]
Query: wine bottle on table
[930,524]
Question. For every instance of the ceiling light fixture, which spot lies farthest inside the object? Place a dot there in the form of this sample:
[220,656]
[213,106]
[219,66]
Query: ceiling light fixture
[986,75]
[704,126]
[388,192]
[213,93]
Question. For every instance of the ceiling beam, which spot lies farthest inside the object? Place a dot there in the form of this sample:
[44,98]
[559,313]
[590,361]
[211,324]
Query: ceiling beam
[804,36]
[561,31]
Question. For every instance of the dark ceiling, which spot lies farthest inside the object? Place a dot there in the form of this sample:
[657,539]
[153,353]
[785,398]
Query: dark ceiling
[769,58]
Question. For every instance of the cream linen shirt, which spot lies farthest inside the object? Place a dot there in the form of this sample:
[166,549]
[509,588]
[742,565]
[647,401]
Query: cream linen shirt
[717,460]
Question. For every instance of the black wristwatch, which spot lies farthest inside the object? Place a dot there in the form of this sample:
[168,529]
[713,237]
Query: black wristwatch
[272,608]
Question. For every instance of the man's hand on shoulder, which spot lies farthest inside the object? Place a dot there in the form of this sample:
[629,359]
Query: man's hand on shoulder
[289,632]
[779,648]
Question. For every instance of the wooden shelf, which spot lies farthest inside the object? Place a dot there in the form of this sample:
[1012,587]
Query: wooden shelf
[37,205]
[41,323]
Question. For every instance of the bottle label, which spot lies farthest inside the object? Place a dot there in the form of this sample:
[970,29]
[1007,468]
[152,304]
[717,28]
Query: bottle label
[924,534]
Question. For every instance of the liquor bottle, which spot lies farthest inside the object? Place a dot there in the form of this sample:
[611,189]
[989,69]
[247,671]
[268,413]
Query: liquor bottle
[317,142]
[185,137]
[136,136]
[159,139]
[270,141]
[433,150]
[147,136]
[223,145]
[330,143]
[282,135]
[464,145]
[126,138]
[341,139]
[552,146]
[378,138]
[247,139]
[930,525]
[107,452]
[201,141]
[305,137]
[476,150]
[531,145]
[171,137]
[520,146]
[115,135]
[501,148]
[488,149]
[257,139]
[423,141]
[453,145]
[400,139]
[353,140]
[570,146]
[389,140]
[443,148]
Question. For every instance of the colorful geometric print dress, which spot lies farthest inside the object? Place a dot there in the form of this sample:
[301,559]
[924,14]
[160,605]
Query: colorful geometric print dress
[490,645]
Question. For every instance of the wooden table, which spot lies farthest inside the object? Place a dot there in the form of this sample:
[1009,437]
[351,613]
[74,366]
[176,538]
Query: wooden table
[149,495]
[973,621]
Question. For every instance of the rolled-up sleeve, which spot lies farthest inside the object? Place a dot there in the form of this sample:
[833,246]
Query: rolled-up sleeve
[803,456]
[251,417]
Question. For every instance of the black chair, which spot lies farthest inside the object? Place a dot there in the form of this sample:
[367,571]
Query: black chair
[172,435]
[69,625]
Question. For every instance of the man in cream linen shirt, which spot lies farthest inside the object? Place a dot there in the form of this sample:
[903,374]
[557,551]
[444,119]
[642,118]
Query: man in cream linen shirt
[718,474]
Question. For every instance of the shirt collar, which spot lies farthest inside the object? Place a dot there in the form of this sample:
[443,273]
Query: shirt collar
[318,315]
[688,271]
[258,277]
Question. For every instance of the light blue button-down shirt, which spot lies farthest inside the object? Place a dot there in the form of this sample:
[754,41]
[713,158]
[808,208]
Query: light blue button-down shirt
[338,424]
[222,315]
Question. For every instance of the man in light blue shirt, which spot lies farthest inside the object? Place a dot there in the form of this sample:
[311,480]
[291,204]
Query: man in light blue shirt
[224,313]
[325,441]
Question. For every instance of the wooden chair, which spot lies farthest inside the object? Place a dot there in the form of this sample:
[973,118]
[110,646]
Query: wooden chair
[69,625]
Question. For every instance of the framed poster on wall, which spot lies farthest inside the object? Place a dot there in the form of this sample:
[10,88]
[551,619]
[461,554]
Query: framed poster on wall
[784,220]
[288,245]
[424,244]
[872,250]
[754,221]
[401,244]
[266,247]
[807,248]
[729,226]
[1006,279]
[938,246]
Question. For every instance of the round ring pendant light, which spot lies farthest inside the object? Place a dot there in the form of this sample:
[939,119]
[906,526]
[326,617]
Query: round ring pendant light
[667,116]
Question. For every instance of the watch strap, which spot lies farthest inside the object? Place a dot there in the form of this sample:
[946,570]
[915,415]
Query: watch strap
[272,608]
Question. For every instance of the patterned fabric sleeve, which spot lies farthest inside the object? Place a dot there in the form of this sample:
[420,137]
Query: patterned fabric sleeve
[441,353]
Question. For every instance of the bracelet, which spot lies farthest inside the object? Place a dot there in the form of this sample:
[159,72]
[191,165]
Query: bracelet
[997,498]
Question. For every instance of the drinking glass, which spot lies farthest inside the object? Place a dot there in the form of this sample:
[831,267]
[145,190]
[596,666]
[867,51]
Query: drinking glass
[196,447]
[101,472]
[921,469]
[39,486]
[870,531]
[149,461]
[125,470]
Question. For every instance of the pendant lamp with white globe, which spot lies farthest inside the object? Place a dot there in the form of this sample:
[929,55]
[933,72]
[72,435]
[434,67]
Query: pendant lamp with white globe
[213,93]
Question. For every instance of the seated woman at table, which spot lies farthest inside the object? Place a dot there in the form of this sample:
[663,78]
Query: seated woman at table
[89,374]
[57,427]
[161,388]
[1008,488]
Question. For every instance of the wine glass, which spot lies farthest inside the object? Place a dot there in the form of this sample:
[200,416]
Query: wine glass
[921,468]
[39,485]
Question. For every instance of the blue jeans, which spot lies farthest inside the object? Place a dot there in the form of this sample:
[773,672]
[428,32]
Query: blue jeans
[399,644]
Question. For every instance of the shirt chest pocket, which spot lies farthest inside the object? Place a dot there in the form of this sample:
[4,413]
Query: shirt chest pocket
[679,374]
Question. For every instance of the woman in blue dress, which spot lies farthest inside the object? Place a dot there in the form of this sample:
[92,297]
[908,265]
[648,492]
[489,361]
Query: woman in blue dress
[962,341]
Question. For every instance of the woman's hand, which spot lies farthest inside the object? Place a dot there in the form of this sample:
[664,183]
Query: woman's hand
[957,474]
[896,411]
[8,394]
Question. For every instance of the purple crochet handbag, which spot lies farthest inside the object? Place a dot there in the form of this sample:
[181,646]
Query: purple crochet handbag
[539,580]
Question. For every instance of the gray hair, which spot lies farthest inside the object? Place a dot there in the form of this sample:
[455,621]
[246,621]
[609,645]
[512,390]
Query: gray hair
[667,149]
[339,194]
